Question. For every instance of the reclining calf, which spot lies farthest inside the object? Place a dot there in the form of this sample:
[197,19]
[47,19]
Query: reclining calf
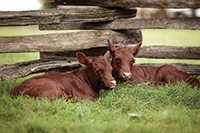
[123,68]
[85,82]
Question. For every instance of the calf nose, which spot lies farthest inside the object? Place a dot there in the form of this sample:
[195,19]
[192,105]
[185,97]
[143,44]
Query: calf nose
[126,75]
[112,84]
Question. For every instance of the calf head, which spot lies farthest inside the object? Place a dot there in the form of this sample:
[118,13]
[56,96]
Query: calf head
[122,60]
[99,71]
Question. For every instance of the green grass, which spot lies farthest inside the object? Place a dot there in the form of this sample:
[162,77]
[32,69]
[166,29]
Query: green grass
[170,108]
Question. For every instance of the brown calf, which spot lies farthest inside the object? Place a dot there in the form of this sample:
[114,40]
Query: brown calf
[123,68]
[85,82]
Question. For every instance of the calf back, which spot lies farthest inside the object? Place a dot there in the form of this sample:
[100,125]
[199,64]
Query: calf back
[169,73]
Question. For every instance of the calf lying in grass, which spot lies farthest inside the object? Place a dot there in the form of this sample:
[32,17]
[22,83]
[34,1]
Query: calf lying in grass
[123,68]
[85,82]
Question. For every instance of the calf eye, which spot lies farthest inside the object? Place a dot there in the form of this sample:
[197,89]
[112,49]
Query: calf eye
[117,60]
[133,61]
[98,71]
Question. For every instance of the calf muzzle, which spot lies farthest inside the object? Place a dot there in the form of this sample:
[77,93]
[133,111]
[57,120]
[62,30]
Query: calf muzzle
[112,84]
[126,75]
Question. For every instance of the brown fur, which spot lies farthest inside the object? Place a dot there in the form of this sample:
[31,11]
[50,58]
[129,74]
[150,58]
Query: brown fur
[85,82]
[123,68]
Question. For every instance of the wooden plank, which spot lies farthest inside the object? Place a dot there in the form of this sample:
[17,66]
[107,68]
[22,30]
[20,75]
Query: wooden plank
[88,52]
[191,69]
[131,3]
[23,69]
[152,51]
[123,24]
[58,15]
[67,41]
[169,52]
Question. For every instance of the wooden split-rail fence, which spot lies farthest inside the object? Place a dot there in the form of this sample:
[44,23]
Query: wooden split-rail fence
[99,20]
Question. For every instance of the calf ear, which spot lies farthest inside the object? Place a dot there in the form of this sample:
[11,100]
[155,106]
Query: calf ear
[82,58]
[106,55]
[111,47]
[135,50]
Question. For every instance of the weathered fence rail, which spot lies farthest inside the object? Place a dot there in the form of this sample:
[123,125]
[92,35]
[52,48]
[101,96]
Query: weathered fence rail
[131,3]
[169,52]
[60,42]
[57,51]
[37,66]
[57,16]
[152,51]
[124,24]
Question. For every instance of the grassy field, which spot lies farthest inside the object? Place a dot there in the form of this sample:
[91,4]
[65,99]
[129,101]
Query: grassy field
[140,108]
[128,108]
